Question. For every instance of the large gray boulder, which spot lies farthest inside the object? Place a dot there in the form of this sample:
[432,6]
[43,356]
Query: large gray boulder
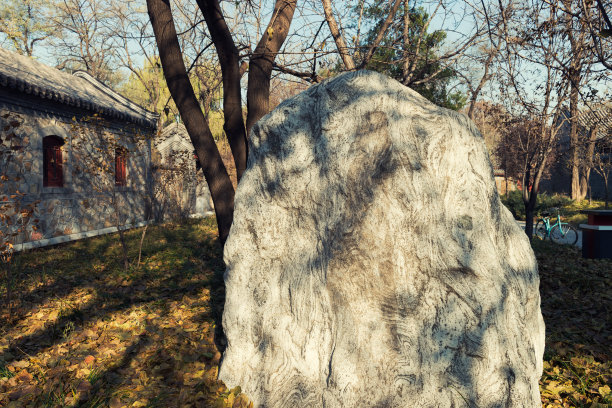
[371,262]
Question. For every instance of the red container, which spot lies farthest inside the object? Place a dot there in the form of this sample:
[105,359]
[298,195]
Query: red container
[597,234]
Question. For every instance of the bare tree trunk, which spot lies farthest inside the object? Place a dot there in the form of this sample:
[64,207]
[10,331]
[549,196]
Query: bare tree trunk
[584,183]
[216,175]
[481,83]
[574,152]
[229,59]
[349,64]
[262,61]
[574,74]
[144,231]
[587,165]
[529,201]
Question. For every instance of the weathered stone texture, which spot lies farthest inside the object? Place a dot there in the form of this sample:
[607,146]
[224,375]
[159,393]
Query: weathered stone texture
[371,262]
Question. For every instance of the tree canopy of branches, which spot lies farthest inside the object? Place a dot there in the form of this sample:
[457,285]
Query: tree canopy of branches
[24,23]
[409,53]
[517,61]
[534,89]
[258,90]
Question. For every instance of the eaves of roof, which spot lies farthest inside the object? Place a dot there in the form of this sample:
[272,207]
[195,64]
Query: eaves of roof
[80,90]
[600,116]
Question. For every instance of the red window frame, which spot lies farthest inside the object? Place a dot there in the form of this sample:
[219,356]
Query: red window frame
[53,174]
[120,167]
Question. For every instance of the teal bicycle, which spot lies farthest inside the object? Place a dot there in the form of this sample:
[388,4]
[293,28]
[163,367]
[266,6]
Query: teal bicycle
[559,232]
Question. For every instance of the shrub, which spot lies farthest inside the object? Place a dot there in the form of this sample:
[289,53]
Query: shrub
[514,202]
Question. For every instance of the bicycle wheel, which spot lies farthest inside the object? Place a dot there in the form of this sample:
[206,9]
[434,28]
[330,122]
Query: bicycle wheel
[540,230]
[564,235]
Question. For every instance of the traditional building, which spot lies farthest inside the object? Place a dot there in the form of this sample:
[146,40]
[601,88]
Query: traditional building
[595,153]
[75,156]
[180,188]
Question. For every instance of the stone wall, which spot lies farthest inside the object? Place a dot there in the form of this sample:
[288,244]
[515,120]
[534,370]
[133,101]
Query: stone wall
[180,189]
[89,199]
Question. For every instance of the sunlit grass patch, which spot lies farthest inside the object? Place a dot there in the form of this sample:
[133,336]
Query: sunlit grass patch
[570,210]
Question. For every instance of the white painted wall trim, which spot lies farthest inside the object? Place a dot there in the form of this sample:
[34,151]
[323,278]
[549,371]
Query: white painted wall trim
[596,227]
[73,237]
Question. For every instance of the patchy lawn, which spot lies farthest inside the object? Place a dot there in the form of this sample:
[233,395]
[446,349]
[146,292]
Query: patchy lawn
[86,333]
[570,210]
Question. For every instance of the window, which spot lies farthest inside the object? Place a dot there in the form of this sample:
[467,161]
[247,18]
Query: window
[120,167]
[53,175]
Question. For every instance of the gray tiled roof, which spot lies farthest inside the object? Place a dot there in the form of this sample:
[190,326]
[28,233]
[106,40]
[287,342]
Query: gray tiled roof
[599,115]
[173,136]
[80,90]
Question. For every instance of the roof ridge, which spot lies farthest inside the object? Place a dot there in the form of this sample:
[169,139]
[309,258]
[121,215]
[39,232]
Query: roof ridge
[27,75]
[114,94]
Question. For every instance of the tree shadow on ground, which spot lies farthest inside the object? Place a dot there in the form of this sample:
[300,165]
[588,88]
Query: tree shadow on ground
[576,300]
[99,336]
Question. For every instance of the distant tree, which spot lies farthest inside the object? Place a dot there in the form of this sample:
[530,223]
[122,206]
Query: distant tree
[600,29]
[134,48]
[398,42]
[83,39]
[410,54]
[576,62]
[491,120]
[477,68]
[584,151]
[585,32]
[147,87]
[533,89]
[25,24]
[281,89]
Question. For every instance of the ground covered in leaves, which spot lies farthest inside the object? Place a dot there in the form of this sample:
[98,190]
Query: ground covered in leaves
[577,307]
[86,333]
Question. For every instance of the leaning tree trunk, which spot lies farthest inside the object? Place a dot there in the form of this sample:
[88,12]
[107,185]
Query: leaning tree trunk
[216,175]
[348,61]
[530,204]
[229,59]
[262,61]
[530,196]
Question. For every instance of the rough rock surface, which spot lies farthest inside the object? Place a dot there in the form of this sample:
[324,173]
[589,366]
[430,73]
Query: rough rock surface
[371,262]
